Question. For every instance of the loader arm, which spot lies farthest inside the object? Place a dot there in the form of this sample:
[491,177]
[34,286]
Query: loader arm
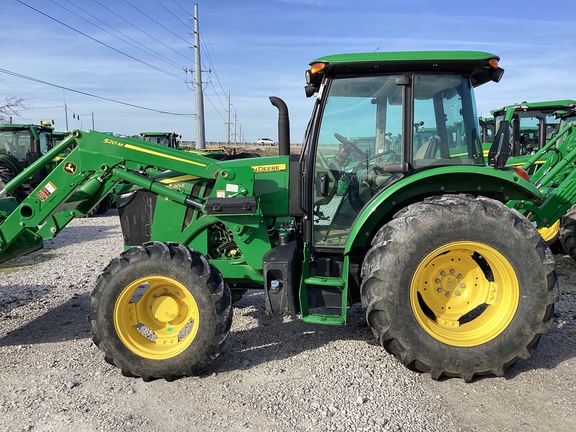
[556,178]
[94,163]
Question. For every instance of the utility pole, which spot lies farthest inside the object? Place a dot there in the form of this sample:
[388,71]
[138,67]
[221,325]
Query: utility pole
[200,135]
[235,123]
[228,122]
[66,114]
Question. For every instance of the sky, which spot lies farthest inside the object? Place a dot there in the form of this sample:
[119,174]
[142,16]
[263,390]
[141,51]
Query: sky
[125,66]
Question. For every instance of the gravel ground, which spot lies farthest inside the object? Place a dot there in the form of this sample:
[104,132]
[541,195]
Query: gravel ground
[275,374]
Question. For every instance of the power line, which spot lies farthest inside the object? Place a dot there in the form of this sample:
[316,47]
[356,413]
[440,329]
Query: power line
[92,95]
[153,20]
[136,44]
[139,29]
[100,42]
[206,50]
[174,15]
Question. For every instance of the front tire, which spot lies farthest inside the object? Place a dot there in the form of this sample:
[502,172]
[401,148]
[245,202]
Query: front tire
[458,286]
[160,310]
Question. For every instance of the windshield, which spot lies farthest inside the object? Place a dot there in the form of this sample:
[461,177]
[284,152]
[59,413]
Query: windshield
[369,135]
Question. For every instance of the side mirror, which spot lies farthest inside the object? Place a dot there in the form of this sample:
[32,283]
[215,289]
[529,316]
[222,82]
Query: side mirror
[500,149]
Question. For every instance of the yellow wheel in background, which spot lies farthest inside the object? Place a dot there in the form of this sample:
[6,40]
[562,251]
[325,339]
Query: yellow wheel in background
[550,234]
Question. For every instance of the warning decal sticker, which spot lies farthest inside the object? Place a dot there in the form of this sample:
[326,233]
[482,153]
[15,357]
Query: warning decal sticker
[46,191]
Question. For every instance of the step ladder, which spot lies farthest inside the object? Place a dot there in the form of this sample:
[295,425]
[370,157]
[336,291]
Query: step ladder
[340,285]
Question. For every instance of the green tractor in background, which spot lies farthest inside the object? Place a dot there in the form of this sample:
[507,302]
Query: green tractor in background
[167,139]
[538,137]
[20,146]
[552,171]
[410,222]
[532,125]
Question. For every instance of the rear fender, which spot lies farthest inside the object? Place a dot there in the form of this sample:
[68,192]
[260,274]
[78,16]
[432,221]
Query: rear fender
[503,185]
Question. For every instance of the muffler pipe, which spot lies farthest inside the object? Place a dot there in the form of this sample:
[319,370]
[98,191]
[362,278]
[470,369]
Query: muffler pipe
[283,126]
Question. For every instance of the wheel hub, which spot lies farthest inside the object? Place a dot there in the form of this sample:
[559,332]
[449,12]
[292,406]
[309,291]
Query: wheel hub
[165,308]
[449,282]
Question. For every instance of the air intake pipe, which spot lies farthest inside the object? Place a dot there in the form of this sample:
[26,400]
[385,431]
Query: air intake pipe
[283,126]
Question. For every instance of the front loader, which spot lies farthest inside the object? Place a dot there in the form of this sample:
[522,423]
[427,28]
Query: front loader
[412,224]
[552,171]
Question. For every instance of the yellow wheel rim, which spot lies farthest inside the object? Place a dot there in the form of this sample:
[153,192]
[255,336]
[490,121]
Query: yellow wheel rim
[464,294]
[550,233]
[156,317]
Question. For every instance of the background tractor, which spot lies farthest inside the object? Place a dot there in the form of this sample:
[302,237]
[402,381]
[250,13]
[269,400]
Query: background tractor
[410,222]
[168,139]
[531,125]
[541,135]
[552,168]
[20,146]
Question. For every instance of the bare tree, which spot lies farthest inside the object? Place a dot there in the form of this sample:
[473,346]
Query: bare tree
[12,106]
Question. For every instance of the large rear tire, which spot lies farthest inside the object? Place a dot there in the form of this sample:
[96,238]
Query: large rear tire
[160,310]
[458,286]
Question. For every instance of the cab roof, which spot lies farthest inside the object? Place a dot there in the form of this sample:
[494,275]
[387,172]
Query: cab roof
[541,105]
[472,63]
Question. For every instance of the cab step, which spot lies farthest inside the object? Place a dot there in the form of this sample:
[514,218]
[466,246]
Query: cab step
[333,293]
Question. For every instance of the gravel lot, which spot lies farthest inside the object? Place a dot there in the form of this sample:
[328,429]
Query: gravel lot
[275,374]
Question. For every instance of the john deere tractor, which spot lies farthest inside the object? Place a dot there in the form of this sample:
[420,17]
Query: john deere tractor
[412,224]
[531,125]
[20,146]
[168,139]
[541,135]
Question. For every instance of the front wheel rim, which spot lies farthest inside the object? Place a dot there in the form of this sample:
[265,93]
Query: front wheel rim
[464,293]
[156,317]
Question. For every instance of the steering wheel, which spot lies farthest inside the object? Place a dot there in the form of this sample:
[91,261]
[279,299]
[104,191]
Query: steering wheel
[350,146]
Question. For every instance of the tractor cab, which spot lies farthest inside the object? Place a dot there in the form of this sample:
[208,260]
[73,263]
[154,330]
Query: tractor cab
[525,128]
[167,139]
[23,141]
[20,146]
[375,124]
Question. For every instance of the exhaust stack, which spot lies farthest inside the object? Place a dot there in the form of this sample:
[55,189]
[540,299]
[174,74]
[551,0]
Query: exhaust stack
[283,126]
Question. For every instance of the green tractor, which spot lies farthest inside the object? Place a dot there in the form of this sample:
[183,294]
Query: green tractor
[168,139]
[532,125]
[552,168]
[412,224]
[538,138]
[20,146]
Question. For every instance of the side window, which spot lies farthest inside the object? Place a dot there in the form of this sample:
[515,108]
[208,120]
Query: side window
[446,128]
[528,135]
[45,142]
